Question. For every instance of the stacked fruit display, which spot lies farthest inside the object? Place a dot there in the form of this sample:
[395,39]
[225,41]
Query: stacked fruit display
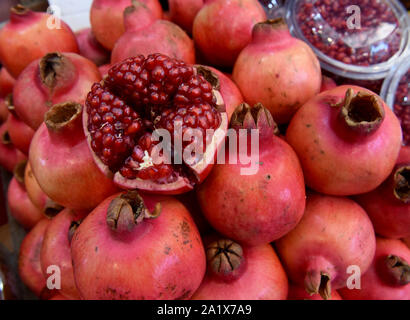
[297,181]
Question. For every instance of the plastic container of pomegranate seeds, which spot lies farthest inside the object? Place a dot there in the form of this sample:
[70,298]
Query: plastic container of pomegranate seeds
[357,42]
[396,92]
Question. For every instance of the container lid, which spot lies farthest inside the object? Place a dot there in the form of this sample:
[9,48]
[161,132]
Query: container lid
[358,41]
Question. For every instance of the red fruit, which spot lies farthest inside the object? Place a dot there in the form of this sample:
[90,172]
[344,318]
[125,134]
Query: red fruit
[141,247]
[223,28]
[9,155]
[244,272]
[388,278]
[29,266]
[107,21]
[6,82]
[56,249]
[30,35]
[37,196]
[21,207]
[299,293]
[104,70]
[347,140]
[63,77]
[58,297]
[333,234]
[20,133]
[228,89]
[62,163]
[388,206]
[90,48]
[4,112]
[274,193]
[139,96]
[183,12]
[145,35]
[406,241]
[277,70]
[327,84]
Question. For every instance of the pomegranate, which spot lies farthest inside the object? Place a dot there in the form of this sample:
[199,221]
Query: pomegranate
[63,165]
[6,82]
[4,113]
[333,234]
[388,278]
[104,69]
[183,12]
[29,266]
[28,36]
[20,133]
[277,70]
[327,84]
[337,135]
[107,20]
[145,35]
[388,206]
[90,48]
[274,192]
[228,89]
[299,293]
[55,78]
[56,249]
[223,28]
[37,196]
[21,207]
[406,241]
[139,96]
[244,272]
[9,155]
[157,231]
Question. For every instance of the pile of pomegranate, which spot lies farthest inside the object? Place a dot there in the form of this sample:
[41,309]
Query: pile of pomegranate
[196,153]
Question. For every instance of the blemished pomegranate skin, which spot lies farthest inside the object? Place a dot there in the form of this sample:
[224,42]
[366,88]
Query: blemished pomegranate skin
[344,151]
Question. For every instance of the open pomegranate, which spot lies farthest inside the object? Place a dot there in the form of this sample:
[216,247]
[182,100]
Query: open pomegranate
[241,272]
[388,278]
[388,206]
[347,140]
[135,246]
[334,233]
[143,100]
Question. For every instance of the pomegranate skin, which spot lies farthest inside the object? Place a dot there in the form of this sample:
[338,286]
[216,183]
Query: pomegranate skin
[263,278]
[56,250]
[156,36]
[104,70]
[90,48]
[29,266]
[333,234]
[277,70]
[223,28]
[4,113]
[337,158]
[169,248]
[183,12]
[6,82]
[9,155]
[388,206]
[327,84]
[376,283]
[20,133]
[299,293]
[107,21]
[56,78]
[27,37]
[62,163]
[21,207]
[275,194]
[231,94]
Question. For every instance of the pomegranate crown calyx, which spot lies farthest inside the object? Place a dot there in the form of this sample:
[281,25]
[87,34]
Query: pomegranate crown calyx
[362,112]
[401,183]
[256,117]
[399,269]
[129,210]
[224,257]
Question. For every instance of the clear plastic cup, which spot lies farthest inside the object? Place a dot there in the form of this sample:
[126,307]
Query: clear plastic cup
[356,42]
[396,92]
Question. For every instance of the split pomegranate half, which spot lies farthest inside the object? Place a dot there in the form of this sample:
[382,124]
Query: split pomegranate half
[155,124]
